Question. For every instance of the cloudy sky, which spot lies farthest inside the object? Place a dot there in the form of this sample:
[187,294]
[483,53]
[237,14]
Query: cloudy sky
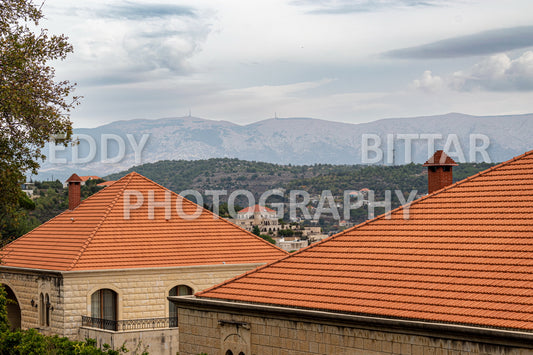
[244,61]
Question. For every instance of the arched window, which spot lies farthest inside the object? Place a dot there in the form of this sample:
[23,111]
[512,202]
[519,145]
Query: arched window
[229,352]
[180,290]
[104,308]
[41,310]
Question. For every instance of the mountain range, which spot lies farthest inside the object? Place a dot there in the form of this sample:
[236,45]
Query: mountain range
[111,148]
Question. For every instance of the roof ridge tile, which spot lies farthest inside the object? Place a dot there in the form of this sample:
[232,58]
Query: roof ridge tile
[51,220]
[99,224]
[209,212]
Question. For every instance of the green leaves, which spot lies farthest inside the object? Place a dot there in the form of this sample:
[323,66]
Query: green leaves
[32,104]
[4,322]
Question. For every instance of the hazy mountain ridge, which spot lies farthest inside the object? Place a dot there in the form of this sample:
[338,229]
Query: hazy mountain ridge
[289,140]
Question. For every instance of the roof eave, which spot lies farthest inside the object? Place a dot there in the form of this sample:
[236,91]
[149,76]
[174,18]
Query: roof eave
[497,336]
[27,269]
[232,266]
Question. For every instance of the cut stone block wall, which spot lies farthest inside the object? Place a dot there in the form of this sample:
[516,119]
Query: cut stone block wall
[214,332]
[28,286]
[141,293]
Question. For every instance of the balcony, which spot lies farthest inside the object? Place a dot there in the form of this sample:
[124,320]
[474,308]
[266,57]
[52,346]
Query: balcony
[130,324]
[159,334]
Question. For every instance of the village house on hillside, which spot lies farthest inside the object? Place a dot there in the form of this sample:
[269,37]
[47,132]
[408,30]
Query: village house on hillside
[267,221]
[84,179]
[452,274]
[103,268]
[264,218]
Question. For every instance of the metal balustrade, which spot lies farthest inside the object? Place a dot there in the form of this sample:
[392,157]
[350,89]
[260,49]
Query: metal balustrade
[130,324]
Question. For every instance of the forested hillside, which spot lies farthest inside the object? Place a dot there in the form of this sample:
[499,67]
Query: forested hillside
[256,177]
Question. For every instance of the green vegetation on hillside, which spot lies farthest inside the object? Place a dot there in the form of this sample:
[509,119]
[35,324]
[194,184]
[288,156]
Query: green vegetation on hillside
[256,177]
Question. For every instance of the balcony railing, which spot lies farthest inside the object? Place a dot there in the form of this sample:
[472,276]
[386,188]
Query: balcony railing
[130,324]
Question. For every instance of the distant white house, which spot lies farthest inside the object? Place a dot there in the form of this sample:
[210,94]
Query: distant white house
[28,187]
[84,179]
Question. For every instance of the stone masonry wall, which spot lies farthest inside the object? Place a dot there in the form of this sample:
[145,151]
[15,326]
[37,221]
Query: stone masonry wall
[142,293]
[28,286]
[202,332]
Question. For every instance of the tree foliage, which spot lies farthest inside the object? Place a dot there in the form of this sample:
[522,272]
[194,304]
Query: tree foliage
[4,322]
[33,106]
[268,238]
[256,231]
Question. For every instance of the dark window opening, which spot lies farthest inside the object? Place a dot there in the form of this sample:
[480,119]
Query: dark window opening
[47,309]
[104,306]
[41,310]
[13,308]
[180,290]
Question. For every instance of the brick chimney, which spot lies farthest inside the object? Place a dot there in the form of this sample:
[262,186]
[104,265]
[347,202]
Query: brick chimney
[74,191]
[439,171]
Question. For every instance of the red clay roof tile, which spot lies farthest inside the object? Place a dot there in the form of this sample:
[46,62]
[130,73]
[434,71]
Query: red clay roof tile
[465,255]
[89,177]
[256,208]
[96,235]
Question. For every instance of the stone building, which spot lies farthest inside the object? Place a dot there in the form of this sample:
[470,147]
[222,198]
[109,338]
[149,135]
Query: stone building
[103,268]
[450,274]
[264,218]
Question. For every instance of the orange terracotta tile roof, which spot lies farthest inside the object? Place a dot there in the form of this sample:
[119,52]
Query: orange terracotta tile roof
[464,256]
[89,177]
[95,235]
[256,208]
[106,183]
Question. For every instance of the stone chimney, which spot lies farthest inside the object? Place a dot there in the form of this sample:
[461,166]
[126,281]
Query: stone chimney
[74,191]
[439,171]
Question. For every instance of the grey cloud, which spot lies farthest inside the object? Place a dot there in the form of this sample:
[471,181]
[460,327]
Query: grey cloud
[495,73]
[145,49]
[167,48]
[351,6]
[487,42]
[109,80]
[135,11]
